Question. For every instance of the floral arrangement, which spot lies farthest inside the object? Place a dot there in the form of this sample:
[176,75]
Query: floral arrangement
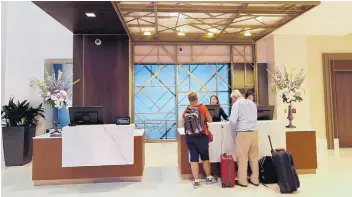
[288,84]
[55,92]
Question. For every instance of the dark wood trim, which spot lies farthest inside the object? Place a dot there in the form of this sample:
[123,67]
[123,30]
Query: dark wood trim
[131,59]
[78,54]
[190,43]
[119,13]
[328,79]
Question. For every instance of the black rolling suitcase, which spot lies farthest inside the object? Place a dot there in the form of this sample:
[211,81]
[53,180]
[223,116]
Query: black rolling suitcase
[285,170]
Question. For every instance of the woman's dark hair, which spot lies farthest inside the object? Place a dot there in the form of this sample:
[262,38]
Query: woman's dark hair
[216,99]
[249,94]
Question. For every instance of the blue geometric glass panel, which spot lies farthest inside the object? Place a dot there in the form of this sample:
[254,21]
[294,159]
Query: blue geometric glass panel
[155,89]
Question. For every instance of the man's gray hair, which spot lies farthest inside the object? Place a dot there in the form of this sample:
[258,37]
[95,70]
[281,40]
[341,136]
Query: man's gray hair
[236,94]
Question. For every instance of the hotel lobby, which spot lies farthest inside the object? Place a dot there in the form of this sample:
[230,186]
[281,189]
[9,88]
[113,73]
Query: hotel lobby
[127,68]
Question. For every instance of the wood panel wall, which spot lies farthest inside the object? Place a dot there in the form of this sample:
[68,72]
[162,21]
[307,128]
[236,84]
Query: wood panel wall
[104,74]
[341,75]
[337,97]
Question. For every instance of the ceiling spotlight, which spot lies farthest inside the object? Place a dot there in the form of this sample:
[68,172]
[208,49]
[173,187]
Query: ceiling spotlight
[147,33]
[213,30]
[181,33]
[210,34]
[247,33]
[174,14]
[90,14]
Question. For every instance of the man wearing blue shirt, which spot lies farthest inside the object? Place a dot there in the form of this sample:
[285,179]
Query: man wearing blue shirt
[243,121]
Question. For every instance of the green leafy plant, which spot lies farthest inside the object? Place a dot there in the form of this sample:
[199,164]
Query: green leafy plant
[20,114]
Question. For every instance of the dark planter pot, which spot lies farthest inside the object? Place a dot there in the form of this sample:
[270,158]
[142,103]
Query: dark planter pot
[18,145]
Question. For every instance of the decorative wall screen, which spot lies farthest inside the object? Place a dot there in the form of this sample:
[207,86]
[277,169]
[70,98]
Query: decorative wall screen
[155,100]
[164,74]
[206,80]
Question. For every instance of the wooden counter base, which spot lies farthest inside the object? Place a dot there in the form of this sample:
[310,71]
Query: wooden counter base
[85,181]
[307,171]
[47,166]
[302,146]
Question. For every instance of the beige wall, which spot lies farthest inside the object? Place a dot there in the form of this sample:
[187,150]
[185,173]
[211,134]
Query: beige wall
[305,52]
[316,46]
[266,54]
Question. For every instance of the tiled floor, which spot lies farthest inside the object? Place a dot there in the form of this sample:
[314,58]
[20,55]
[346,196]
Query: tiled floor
[333,179]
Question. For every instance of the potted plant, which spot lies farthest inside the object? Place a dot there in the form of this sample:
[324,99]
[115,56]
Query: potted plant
[288,87]
[19,124]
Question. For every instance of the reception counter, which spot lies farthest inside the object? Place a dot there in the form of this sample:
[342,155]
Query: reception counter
[89,154]
[300,143]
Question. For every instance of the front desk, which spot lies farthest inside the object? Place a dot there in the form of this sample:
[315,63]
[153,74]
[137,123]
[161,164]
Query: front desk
[300,143]
[89,154]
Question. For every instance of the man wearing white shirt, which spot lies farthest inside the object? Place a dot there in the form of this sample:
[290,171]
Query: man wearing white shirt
[243,120]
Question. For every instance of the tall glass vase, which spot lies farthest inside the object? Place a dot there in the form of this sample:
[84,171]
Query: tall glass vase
[56,131]
[290,117]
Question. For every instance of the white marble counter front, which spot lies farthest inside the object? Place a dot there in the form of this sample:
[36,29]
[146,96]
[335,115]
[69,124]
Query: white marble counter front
[277,131]
[98,145]
[224,139]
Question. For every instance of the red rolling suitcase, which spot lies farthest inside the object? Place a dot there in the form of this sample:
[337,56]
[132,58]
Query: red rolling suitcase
[228,174]
[227,168]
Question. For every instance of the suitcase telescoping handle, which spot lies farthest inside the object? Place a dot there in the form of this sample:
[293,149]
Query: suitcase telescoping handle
[222,126]
[271,146]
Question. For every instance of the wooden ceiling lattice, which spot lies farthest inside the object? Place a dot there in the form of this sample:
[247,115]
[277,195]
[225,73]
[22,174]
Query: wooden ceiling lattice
[206,21]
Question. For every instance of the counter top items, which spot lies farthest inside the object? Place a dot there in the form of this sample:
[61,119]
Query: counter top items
[123,120]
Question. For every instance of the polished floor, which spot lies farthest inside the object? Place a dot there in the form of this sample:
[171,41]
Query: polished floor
[333,179]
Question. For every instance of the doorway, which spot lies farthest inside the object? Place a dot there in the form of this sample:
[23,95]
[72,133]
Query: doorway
[338,98]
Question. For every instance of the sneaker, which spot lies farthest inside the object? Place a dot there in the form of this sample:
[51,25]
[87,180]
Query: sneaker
[210,180]
[196,184]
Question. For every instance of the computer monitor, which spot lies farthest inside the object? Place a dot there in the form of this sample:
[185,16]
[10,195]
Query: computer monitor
[265,112]
[86,115]
[214,111]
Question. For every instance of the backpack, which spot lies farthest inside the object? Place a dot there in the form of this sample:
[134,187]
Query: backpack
[194,124]
[267,173]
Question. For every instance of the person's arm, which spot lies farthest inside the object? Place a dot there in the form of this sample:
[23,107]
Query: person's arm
[223,114]
[183,118]
[208,117]
[234,116]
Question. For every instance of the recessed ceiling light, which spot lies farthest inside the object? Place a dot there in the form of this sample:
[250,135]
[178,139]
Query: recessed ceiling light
[210,34]
[90,14]
[147,33]
[181,33]
[213,30]
[247,33]
[175,14]
[259,18]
